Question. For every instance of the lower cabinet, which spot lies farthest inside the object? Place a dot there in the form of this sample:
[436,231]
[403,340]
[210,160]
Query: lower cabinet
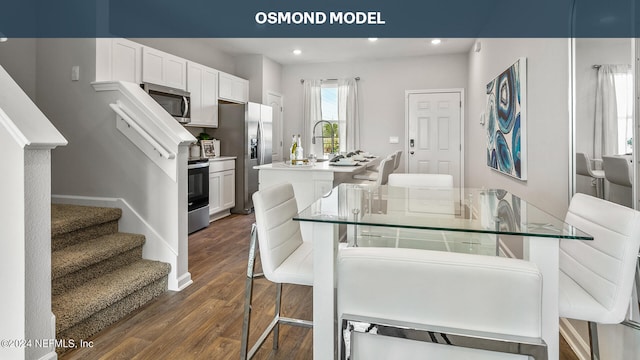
[222,191]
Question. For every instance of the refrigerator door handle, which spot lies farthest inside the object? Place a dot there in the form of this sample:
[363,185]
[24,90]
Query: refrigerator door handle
[260,150]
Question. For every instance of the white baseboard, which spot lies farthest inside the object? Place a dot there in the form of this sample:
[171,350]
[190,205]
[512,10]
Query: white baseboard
[579,346]
[49,356]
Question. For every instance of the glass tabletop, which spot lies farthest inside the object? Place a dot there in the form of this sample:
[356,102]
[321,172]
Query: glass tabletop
[487,211]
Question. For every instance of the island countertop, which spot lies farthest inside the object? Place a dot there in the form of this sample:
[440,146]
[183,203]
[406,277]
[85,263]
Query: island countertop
[318,166]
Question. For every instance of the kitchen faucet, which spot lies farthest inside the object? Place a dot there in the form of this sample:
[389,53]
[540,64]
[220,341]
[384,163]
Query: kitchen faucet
[313,138]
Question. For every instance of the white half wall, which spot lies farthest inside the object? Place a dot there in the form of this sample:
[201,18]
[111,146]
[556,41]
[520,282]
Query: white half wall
[381,92]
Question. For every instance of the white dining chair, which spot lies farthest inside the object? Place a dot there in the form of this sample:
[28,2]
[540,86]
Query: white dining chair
[596,277]
[617,171]
[285,257]
[410,304]
[421,180]
[584,168]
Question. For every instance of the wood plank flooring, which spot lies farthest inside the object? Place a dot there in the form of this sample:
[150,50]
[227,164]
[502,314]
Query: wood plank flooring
[204,321]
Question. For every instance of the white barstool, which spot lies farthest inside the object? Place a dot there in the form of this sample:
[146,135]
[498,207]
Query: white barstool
[617,171]
[381,177]
[584,168]
[285,258]
[596,277]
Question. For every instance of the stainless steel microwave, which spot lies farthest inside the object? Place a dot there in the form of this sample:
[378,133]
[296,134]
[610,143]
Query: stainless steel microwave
[175,101]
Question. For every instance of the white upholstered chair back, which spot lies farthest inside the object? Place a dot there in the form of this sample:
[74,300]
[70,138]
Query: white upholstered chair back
[278,235]
[583,165]
[386,168]
[605,267]
[421,180]
[445,289]
[617,170]
[396,161]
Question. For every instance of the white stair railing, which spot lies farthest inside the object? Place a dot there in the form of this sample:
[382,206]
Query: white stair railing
[122,112]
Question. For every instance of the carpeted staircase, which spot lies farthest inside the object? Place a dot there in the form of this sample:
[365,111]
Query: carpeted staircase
[98,274]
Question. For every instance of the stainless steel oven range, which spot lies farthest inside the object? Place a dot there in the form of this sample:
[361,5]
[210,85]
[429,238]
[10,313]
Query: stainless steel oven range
[198,188]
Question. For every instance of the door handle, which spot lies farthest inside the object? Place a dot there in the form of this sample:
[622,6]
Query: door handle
[411,152]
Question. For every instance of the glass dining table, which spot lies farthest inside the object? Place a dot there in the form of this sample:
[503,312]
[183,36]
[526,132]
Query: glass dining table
[488,222]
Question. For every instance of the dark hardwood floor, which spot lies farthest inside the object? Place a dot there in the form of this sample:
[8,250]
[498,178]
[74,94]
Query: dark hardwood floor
[204,321]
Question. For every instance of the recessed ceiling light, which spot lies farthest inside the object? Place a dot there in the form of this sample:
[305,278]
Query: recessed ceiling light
[297,52]
[373,39]
[436,41]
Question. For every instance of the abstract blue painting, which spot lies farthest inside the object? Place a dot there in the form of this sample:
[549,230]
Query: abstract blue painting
[506,122]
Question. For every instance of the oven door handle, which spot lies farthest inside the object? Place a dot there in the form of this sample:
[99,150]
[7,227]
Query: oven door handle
[198,165]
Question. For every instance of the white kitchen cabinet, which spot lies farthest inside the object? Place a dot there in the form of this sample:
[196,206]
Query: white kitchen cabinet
[232,88]
[222,182]
[202,83]
[159,67]
[118,59]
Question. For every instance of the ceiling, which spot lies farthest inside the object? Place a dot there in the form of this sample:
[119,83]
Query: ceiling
[337,49]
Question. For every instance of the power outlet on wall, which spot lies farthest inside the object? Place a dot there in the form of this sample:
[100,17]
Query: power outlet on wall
[393,140]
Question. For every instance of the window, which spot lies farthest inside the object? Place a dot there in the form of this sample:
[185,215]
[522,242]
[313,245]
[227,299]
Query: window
[329,110]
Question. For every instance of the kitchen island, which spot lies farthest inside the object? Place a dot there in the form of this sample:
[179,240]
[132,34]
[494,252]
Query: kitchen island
[309,182]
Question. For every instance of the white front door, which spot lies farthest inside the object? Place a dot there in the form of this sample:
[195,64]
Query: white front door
[434,124]
[275,101]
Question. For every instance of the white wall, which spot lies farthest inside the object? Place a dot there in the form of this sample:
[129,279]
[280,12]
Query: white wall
[547,119]
[381,91]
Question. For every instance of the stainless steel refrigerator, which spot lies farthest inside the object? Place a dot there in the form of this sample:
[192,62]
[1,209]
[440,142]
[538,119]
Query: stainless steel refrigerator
[245,131]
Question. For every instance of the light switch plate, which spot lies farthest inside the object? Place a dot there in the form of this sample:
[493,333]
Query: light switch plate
[75,73]
[393,140]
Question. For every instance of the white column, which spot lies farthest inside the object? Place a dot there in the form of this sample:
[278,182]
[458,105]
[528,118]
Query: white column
[324,304]
[544,252]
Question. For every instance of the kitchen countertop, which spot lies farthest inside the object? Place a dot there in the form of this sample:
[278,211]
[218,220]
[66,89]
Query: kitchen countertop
[318,166]
[222,158]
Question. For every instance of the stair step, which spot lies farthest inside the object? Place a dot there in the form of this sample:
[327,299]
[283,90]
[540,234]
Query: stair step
[74,265]
[106,298]
[72,224]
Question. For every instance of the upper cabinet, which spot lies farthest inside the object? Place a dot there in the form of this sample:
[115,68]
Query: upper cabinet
[118,59]
[162,68]
[202,83]
[233,88]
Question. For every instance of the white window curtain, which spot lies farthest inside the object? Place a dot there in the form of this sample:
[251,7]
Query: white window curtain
[311,109]
[612,127]
[348,114]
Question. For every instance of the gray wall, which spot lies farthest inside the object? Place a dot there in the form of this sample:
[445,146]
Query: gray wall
[18,57]
[381,91]
[547,118]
